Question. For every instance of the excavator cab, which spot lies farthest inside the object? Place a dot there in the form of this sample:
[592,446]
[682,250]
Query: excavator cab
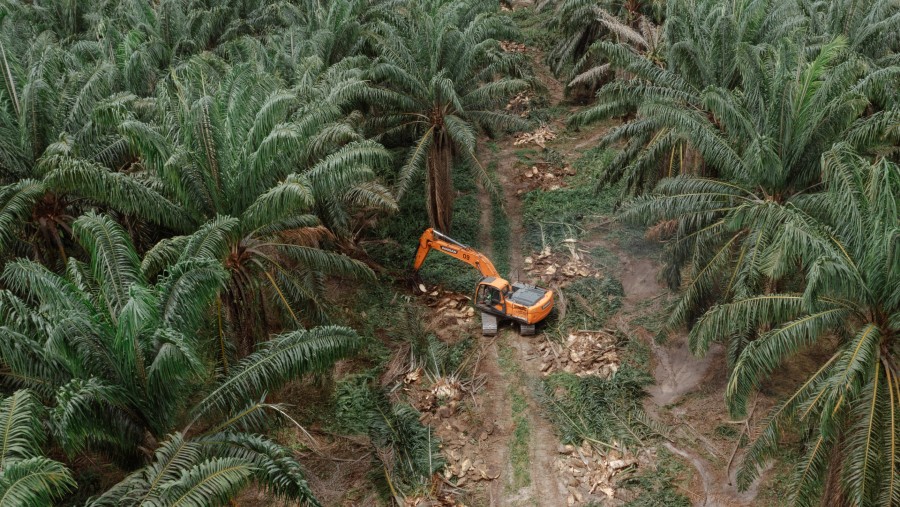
[491,297]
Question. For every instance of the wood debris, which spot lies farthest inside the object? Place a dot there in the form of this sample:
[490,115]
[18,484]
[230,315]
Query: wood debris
[512,46]
[583,353]
[520,104]
[559,267]
[439,500]
[460,446]
[451,306]
[545,177]
[538,137]
[589,476]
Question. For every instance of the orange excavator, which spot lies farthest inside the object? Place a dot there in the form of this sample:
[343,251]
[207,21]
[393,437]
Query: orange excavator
[496,298]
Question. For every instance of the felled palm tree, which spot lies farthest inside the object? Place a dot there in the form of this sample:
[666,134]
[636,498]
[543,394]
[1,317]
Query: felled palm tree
[27,478]
[230,141]
[849,307]
[123,363]
[765,144]
[441,76]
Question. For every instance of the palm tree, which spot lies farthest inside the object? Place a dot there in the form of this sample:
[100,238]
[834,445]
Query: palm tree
[850,308]
[441,75]
[703,42]
[27,478]
[58,116]
[125,366]
[646,39]
[764,144]
[583,23]
[228,141]
[870,26]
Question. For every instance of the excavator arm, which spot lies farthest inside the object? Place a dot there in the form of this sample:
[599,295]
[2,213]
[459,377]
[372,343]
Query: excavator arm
[434,240]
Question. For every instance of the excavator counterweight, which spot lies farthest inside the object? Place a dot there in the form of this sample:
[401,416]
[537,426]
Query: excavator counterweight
[497,299]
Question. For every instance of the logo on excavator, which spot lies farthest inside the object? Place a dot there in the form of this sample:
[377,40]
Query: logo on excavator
[448,249]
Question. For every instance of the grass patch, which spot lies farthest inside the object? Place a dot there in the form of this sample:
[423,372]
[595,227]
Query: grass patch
[551,216]
[593,161]
[519,444]
[518,447]
[658,483]
[548,113]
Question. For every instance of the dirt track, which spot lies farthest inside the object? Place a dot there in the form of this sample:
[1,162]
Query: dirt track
[676,370]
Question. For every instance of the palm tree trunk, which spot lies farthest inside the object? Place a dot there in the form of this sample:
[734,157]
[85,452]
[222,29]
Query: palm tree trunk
[833,495]
[440,186]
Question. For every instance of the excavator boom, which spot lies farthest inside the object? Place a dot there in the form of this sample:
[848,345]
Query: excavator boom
[435,240]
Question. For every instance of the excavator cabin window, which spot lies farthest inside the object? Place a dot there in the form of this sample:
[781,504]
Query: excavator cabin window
[489,296]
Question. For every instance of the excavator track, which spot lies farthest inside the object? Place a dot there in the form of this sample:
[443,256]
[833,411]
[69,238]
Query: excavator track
[489,324]
[527,329]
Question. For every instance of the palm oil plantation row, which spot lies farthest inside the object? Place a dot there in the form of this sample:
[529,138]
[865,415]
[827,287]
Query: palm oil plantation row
[208,213]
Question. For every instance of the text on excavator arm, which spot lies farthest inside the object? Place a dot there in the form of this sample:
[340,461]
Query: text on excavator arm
[435,240]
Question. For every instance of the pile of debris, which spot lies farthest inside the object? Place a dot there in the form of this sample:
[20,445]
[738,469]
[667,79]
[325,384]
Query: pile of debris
[554,267]
[512,46]
[520,104]
[538,137]
[545,176]
[449,305]
[589,476]
[439,404]
[584,353]
[441,401]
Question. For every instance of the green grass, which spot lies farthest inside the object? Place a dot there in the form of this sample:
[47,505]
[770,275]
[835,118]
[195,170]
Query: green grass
[526,155]
[535,26]
[518,447]
[552,216]
[547,113]
[658,484]
[519,443]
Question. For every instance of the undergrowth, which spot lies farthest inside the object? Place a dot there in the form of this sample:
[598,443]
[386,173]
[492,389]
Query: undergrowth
[589,303]
[534,27]
[657,484]
[406,454]
[603,411]
[550,216]
[404,228]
